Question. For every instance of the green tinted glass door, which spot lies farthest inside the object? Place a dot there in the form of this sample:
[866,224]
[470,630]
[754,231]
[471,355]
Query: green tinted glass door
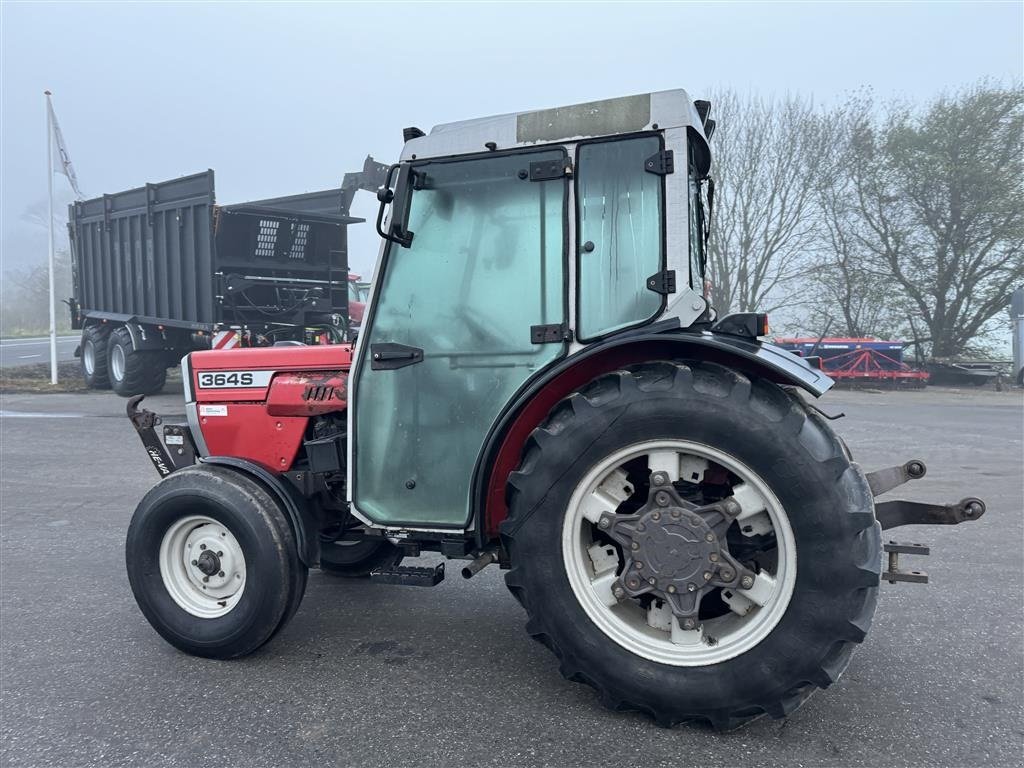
[619,208]
[485,264]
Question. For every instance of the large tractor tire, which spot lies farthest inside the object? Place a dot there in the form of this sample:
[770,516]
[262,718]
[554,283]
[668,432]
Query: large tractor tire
[93,356]
[355,559]
[133,372]
[693,544]
[213,563]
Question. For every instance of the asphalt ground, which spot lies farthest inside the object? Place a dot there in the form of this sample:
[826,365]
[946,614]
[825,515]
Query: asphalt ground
[372,675]
[33,351]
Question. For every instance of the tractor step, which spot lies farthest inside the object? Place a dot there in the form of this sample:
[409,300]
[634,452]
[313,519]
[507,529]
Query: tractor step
[894,574]
[408,575]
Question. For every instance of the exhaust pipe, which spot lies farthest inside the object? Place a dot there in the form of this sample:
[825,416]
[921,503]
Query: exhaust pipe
[481,562]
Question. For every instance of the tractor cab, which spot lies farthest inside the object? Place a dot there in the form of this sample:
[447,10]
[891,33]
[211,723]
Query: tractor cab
[509,243]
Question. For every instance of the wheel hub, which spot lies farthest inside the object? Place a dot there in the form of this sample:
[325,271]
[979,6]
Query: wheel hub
[208,562]
[673,546]
[676,550]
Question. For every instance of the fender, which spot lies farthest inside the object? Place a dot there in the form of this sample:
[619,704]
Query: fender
[303,522]
[504,444]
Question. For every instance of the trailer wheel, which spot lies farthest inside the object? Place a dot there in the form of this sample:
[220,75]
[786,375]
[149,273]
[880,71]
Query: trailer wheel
[94,356]
[355,559]
[213,563]
[133,372]
[721,473]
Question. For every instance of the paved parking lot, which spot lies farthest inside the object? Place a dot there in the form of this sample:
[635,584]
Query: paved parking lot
[375,675]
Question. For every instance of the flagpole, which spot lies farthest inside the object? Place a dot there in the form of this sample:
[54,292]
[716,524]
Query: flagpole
[49,180]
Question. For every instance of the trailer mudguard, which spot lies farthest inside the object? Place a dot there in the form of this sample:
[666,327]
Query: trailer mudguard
[503,447]
[304,524]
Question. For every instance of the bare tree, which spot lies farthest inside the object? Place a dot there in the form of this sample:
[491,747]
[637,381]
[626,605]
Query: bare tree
[844,292]
[940,207]
[766,156]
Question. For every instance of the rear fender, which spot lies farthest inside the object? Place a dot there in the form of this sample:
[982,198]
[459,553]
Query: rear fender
[504,446]
[303,521]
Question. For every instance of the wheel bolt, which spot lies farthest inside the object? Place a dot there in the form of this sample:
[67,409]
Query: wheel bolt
[651,582]
[676,514]
[206,578]
[688,624]
[707,575]
[634,546]
[633,583]
[221,574]
[672,589]
[661,499]
[619,592]
[727,575]
[603,523]
[195,562]
[659,478]
[709,537]
[691,587]
[641,528]
[220,554]
[713,557]
[202,546]
[747,582]
[639,565]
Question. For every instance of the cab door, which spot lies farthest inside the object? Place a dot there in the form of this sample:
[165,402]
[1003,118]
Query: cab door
[461,319]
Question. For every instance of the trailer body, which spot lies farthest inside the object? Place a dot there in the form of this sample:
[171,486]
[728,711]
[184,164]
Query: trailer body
[168,267]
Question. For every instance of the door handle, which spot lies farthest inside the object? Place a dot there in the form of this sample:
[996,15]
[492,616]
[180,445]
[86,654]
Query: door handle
[387,356]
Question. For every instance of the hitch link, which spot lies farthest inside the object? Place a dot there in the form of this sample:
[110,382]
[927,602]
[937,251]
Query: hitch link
[894,574]
[145,423]
[884,480]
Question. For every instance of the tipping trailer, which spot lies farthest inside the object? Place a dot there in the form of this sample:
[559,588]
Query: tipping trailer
[160,270]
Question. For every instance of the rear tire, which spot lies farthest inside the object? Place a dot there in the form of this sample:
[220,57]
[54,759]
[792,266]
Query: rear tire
[133,372]
[93,356]
[823,504]
[213,562]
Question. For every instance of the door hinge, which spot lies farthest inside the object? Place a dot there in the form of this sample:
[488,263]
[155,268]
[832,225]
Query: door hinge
[661,163]
[662,282]
[546,170]
[556,333]
[387,357]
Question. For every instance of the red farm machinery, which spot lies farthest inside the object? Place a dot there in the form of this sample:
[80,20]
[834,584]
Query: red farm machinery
[859,362]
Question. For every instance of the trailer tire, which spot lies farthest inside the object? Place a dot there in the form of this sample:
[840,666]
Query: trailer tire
[131,371]
[255,545]
[355,559]
[790,451]
[94,356]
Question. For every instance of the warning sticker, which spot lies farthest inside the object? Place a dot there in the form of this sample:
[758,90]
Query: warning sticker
[213,410]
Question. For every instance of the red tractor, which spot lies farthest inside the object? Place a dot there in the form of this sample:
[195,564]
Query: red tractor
[539,383]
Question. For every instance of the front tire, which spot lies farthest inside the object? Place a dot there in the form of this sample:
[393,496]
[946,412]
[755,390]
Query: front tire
[131,371]
[814,545]
[212,562]
[94,356]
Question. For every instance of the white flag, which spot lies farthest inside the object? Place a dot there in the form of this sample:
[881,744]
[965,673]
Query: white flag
[61,158]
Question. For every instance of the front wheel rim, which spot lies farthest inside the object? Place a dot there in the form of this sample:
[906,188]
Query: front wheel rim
[651,631]
[117,362]
[89,358]
[202,566]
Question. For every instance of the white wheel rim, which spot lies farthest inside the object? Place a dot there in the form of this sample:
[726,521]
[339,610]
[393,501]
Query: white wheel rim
[89,357]
[655,634]
[117,362]
[188,549]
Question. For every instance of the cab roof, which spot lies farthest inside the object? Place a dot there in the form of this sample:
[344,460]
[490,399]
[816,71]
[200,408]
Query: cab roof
[627,114]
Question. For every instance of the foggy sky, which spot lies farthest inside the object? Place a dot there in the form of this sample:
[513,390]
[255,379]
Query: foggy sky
[283,99]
